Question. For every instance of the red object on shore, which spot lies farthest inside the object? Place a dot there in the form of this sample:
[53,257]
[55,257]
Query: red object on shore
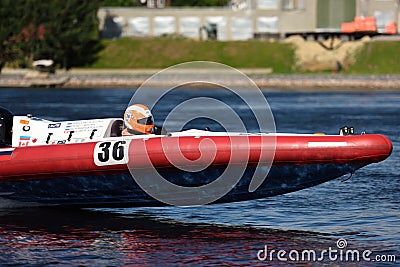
[391,28]
[348,27]
[360,24]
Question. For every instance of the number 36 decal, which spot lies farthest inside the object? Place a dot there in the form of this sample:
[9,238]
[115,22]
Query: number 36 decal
[111,153]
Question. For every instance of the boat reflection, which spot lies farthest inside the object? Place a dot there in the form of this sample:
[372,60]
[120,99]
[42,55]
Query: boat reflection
[64,236]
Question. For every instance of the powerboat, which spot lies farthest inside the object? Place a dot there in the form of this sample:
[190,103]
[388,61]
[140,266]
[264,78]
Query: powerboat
[88,163]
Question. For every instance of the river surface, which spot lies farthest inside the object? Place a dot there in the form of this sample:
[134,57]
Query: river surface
[363,210]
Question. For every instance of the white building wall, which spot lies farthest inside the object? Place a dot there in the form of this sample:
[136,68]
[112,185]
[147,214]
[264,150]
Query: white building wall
[258,16]
[231,24]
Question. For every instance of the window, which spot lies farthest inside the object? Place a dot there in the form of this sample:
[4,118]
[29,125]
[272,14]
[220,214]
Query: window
[288,4]
[267,24]
[268,4]
[160,3]
[301,4]
[150,3]
[293,4]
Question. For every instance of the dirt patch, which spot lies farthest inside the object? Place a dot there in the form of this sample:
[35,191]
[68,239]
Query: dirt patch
[312,56]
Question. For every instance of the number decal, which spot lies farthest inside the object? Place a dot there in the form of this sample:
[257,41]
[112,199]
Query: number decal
[104,156]
[118,150]
[111,153]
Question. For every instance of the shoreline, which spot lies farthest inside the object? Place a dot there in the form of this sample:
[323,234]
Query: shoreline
[129,79]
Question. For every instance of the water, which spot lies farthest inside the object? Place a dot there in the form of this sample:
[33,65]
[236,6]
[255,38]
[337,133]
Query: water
[364,210]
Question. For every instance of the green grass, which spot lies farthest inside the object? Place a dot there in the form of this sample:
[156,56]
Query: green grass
[377,58]
[164,52]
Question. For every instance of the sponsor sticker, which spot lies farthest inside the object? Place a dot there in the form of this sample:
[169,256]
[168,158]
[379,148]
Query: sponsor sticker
[23,143]
[78,140]
[24,137]
[54,125]
[24,140]
[68,127]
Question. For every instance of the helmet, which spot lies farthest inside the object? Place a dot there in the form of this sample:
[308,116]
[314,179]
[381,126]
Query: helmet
[138,119]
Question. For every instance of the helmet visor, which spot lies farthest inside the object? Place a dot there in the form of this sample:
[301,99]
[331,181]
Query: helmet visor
[146,121]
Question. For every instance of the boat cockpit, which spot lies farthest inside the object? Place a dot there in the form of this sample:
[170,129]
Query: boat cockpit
[21,131]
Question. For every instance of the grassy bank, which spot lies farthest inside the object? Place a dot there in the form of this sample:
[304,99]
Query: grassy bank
[377,58]
[164,52]
[373,58]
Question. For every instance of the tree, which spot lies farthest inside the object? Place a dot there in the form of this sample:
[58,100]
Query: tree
[71,33]
[65,31]
[33,30]
[199,2]
[119,3]
[11,12]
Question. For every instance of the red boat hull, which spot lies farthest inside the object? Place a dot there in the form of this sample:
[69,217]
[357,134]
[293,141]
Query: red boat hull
[85,175]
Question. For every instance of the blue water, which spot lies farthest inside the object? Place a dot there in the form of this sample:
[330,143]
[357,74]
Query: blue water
[364,210]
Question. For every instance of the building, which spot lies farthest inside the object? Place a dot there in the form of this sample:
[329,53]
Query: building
[245,19]
[156,3]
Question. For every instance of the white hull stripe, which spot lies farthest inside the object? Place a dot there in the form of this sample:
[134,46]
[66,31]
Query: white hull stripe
[327,144]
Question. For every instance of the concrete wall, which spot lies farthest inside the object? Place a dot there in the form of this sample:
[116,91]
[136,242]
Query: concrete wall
[299,20]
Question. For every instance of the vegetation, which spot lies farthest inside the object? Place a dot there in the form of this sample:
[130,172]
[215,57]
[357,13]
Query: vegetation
[199,2]
[165,51]
[377,58]
[373,58]
[67,32]
[132,3]
[62,30]
[9,30]
[121,3]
